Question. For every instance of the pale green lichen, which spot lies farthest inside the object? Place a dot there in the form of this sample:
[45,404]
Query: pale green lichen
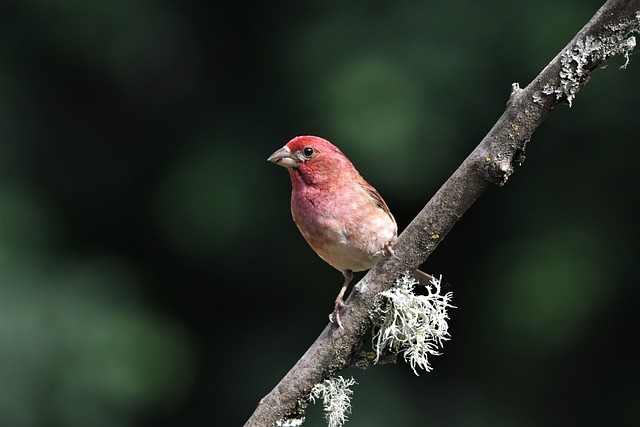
[336,399]
[578,61]
[290,422]
[294,418]
[414,325]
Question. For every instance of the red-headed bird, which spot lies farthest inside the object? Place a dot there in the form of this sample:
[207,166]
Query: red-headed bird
[342,217]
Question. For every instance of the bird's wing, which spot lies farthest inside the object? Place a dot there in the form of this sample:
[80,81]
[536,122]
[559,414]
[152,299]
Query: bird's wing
[377,198]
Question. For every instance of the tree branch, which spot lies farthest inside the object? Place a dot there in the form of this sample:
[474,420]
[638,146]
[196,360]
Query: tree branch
[608,33]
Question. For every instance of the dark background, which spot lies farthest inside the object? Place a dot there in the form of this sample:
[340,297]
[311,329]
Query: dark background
[151,274]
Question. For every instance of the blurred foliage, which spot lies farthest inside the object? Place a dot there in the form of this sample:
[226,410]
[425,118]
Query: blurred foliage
[150,273]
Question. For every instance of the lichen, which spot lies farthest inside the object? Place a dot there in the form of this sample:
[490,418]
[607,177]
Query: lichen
[578,61]
[336,399]
[293,418]
[414,325]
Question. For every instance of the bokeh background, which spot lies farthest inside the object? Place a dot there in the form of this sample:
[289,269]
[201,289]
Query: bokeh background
[150,271]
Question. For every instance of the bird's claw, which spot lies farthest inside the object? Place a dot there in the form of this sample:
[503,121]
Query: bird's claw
[388,250]
[334,317]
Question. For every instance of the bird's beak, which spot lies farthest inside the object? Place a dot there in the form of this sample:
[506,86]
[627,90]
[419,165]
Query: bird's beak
[284,158]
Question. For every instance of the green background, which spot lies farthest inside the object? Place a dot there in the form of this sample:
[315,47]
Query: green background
[151,274]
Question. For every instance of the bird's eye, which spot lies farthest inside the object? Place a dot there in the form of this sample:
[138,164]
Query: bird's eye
[308,151]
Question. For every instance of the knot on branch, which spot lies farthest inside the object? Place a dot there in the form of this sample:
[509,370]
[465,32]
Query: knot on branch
[498,169]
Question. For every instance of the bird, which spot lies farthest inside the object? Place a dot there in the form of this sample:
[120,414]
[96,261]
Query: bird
[342,217]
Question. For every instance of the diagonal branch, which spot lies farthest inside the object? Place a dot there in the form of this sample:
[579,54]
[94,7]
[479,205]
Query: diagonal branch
[608,33]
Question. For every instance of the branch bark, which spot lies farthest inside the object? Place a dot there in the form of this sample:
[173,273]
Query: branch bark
[608,33]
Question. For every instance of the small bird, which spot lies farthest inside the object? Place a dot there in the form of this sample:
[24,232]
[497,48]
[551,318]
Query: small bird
[342,217]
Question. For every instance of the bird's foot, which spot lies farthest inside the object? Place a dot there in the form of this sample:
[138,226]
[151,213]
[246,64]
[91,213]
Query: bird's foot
[334,317]
[388,250]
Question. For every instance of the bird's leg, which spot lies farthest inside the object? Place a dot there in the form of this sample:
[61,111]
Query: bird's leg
[388,249]
[335,316]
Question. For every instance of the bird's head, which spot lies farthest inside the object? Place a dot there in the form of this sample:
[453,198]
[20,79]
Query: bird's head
[313,158]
